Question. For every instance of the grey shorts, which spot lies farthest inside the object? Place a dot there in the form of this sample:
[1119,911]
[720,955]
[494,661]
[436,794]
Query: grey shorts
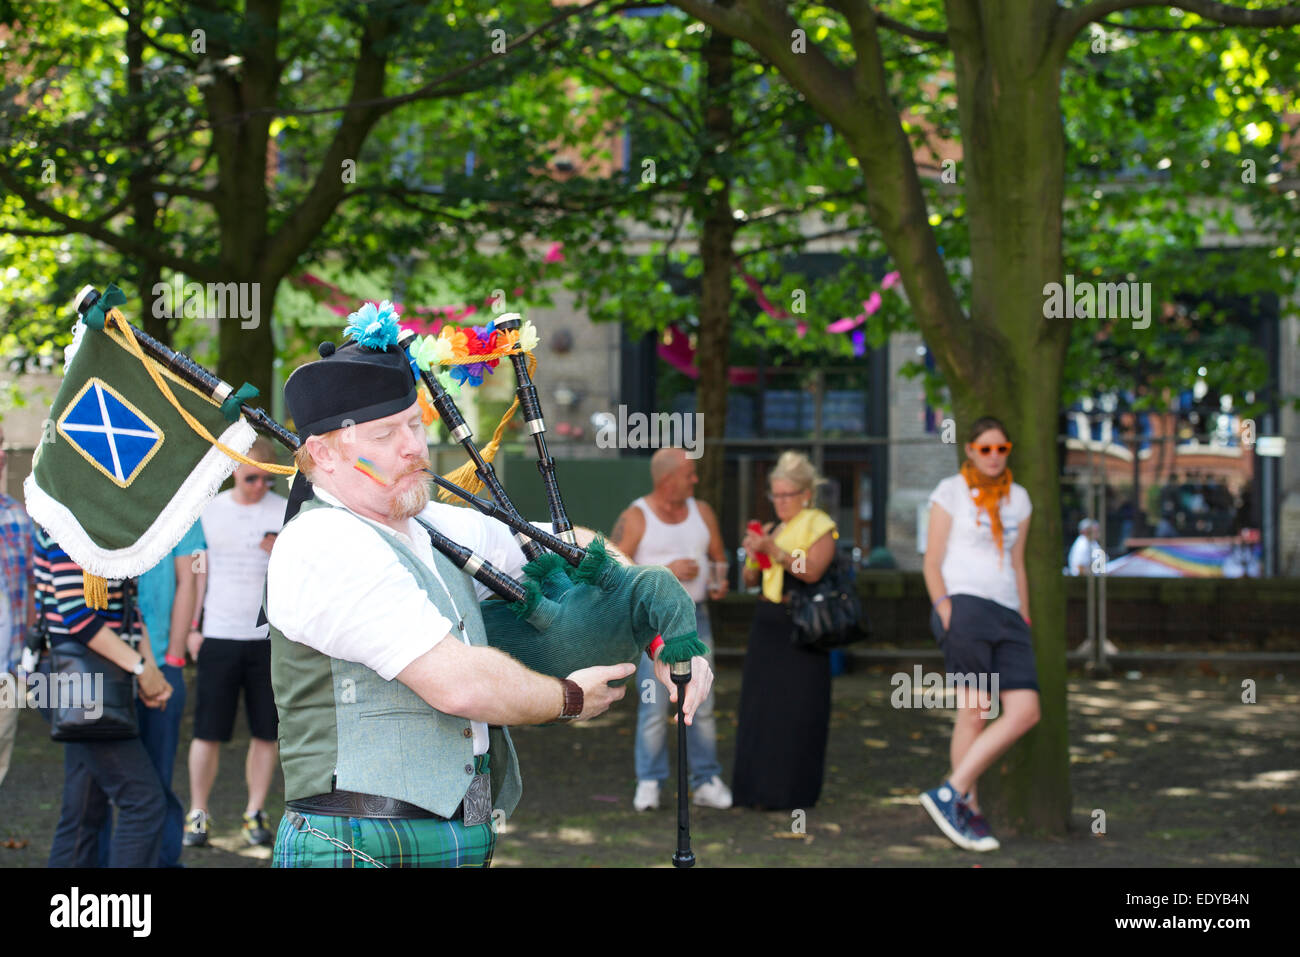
[986,638]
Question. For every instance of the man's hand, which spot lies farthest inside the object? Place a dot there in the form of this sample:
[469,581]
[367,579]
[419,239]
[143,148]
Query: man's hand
[685,569]
[192,643]
[696,690]
[597,695]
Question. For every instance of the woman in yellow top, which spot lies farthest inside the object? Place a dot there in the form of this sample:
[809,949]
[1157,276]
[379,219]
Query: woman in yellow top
[785,693]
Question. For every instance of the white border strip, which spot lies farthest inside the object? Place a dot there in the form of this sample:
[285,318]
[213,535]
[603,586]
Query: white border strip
[167,529]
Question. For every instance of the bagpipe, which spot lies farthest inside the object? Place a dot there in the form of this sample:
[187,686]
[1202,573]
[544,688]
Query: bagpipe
[118,505]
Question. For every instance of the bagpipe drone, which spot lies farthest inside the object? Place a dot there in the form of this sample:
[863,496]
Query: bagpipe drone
[141,437]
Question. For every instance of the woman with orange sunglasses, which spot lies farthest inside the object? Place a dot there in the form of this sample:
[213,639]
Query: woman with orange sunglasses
[975,574]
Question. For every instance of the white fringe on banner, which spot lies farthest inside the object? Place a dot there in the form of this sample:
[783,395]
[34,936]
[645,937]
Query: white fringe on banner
[167,529]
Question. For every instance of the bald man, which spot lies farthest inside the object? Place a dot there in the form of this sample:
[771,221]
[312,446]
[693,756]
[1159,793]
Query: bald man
[669,527]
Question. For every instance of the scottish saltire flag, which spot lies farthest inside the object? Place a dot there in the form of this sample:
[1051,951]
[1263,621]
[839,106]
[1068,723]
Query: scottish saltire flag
[119,477]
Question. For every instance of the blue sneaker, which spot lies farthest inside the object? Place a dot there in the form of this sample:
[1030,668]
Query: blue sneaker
[978,828]
[946,809]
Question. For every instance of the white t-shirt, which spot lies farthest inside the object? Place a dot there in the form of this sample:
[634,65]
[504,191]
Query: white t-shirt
[1082,553]
[334,585]
[970,562]
[237,564]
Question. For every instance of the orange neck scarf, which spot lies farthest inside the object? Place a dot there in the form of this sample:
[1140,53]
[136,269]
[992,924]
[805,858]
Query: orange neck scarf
[989,493]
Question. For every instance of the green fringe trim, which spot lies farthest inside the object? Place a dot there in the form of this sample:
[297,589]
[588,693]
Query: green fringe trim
[544,566]
[593,564]
[532,596]
[682,648]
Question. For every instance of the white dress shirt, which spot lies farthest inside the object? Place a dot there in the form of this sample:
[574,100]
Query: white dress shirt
[334,585]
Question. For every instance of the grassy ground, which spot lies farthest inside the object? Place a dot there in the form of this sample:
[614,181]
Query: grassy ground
[1187,775]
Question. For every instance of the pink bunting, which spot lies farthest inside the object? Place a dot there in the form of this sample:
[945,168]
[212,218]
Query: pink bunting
[844,325]
[890,279]
[677,352]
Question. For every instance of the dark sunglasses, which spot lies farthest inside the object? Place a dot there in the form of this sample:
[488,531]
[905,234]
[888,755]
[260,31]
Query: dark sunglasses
[251,479]
[1000,449]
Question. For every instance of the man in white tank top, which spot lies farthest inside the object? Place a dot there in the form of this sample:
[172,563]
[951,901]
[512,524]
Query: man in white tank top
[669,527]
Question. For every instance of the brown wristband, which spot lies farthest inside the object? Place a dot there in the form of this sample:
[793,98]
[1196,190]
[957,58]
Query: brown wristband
[572,700]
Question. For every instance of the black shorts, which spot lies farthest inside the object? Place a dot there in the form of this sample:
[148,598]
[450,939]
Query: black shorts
[987,638]
[225,666]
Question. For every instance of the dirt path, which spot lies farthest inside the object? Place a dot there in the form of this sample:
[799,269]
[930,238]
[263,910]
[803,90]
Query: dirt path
[1187,775]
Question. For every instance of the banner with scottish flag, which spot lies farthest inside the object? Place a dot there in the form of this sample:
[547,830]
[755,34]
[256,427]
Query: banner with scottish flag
[120,475]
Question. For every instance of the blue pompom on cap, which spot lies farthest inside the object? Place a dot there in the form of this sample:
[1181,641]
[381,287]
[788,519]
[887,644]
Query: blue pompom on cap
[374,327]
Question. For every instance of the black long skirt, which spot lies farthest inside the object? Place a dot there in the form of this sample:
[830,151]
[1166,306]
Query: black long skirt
[785,713]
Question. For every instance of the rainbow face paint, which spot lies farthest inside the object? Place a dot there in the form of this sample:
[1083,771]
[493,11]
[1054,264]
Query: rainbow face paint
[368,468]
[372,471]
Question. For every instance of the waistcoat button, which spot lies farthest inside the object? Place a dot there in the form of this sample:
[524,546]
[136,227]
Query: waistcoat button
[468,732]
[469,769]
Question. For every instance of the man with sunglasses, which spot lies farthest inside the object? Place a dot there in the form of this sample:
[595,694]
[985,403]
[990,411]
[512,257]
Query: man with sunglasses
[233,651]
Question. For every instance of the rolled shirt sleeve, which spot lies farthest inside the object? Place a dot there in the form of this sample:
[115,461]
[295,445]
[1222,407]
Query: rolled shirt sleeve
[334,585]
[488,538]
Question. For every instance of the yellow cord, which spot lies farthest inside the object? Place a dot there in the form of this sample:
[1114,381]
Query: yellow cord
[117,319]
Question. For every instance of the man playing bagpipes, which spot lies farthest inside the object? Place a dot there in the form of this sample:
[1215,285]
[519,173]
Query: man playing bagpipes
[393,709]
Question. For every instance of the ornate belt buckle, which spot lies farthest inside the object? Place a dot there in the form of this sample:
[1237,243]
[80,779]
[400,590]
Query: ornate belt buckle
[477,805]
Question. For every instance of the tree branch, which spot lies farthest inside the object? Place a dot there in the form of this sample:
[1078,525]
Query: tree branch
[295,234]
[1225,13]
[161,48]
[39,233]
[94,230]
[681,121]
[925,36]
[857,103]
[801,240]
[1135,28]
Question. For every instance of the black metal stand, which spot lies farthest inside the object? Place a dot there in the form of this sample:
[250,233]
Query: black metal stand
[683,856]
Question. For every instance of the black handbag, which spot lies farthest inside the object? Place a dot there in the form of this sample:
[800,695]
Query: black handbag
[828,613]
[91,698]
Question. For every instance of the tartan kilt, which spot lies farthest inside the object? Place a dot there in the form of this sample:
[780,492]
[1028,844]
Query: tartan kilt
[395,842]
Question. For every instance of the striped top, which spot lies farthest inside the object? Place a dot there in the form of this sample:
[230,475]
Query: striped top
[62,595]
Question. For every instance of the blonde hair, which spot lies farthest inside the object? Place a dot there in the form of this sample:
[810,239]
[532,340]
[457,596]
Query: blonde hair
[262,450]
[795,467]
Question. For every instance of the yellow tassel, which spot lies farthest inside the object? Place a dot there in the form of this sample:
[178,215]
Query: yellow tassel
[96,590]
[466,476]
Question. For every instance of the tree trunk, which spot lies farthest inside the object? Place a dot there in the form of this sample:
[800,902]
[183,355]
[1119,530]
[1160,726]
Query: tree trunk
[144,211]
[1013,172]
[247,351]
[717,232]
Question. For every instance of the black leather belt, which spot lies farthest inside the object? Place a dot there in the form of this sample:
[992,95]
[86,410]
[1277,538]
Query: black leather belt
[356,804]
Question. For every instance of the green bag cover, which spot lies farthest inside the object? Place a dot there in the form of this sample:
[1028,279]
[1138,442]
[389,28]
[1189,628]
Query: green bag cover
[119,477]
[600,613]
